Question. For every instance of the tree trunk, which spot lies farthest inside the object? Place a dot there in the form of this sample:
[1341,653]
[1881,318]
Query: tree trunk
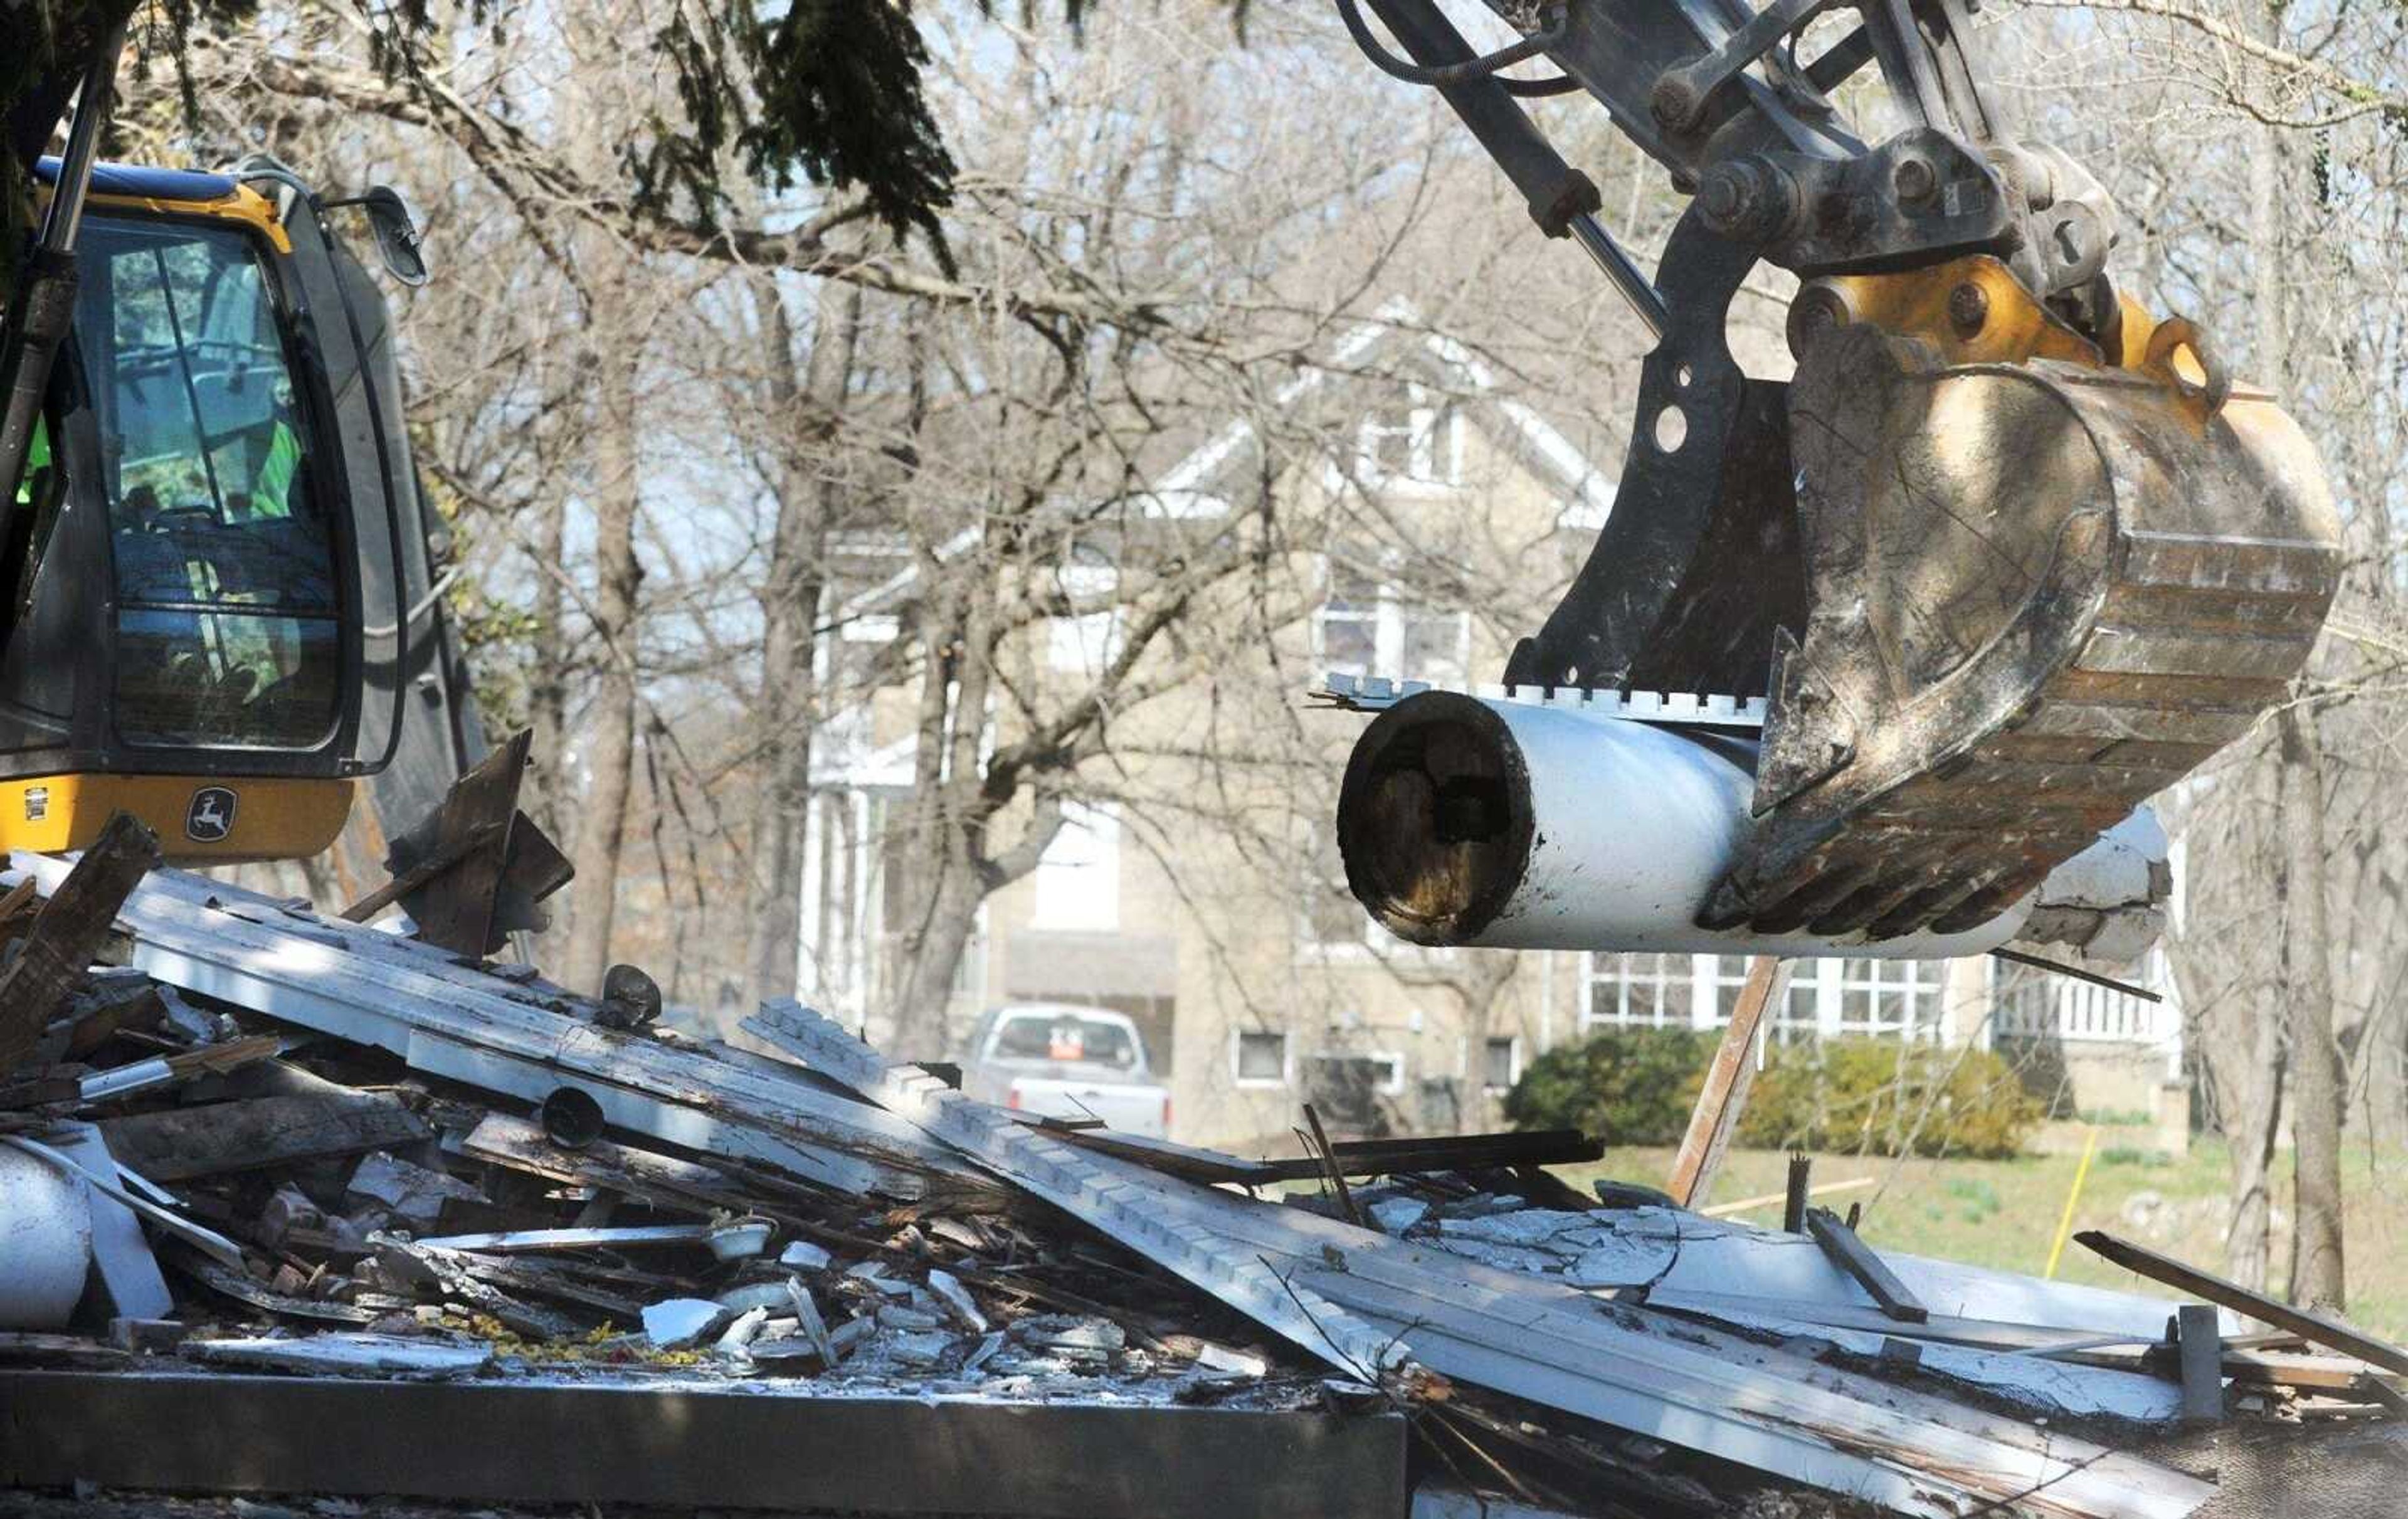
[787,712]
[2248,1241]
[548,684]
[610,746]
[2250,1131]
[933,960]
[2308,1000]
[945,879]
[920,872]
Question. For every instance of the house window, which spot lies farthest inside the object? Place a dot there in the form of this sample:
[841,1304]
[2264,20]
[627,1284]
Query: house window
[1084,641]
[1380,1071]
[1369,626]
[2032,1003]
[1388,442]
[1890,996]
[1083,645]
[1827,997]
[1078,876]
[1883,998]
[1261,1058]
[1500,1064]
[1800,1014]
[1411,440]
[1640,991]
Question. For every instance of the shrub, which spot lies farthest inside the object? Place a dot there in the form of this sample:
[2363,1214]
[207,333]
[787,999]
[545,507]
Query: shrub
[1623,1085]
[2125,1154]
[1980,1198]
[1880,1097]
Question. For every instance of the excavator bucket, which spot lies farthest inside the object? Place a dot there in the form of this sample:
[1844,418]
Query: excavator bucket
[2037,593]
[2005,558]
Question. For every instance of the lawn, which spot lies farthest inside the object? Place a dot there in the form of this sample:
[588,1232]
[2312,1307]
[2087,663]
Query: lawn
[2004,1213]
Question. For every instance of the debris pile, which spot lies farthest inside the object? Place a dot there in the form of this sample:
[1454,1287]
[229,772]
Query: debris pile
[268,1150]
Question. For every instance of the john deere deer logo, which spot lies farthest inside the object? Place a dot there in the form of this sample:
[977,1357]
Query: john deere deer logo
[210,817]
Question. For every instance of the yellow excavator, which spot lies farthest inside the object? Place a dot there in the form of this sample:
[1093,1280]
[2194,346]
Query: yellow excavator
[219,606]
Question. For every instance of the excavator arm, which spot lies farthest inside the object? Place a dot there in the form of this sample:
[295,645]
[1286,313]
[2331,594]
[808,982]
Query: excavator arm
[2006,557]
[41,281]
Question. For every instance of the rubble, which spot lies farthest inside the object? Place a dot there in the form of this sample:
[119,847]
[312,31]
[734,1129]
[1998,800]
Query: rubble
[431,1178]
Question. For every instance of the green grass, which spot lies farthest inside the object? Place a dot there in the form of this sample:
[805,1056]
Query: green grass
[2004,1213]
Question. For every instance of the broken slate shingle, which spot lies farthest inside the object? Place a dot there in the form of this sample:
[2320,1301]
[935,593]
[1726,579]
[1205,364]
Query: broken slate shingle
[957,1298]
[921,1348]
[1528,1226]
[742,1333]
[802,1255]
[1504,1258]
[1627,1263]
[679,1322]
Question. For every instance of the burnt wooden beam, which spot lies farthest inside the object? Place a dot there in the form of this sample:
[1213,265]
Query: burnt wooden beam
[472,871]
[2311,1326]
[176,1145]
[67,933]
[1853,1257]
[1355,1157]
[662,1181]
[1793,1201]
[1335,1174]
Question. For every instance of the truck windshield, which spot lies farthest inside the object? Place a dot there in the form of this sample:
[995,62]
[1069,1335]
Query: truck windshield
[227,619]
[1066,1038]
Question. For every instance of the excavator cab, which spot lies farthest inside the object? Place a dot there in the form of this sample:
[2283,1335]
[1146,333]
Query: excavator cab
[201,617]
[2004,557]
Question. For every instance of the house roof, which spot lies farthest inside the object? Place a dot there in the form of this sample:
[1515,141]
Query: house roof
[1194,485]
[1542,446]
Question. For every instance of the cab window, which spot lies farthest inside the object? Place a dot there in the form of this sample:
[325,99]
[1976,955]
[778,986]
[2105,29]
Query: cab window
[1064,1037]
[227,627]
[38,494]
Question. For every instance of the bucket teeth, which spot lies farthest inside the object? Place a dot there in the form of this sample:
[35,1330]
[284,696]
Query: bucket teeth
[2038,594]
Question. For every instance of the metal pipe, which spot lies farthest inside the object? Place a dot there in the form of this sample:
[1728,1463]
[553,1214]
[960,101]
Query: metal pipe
[140,1076]
[1508,824]
[64,218]
[1646,302]
[45,1243]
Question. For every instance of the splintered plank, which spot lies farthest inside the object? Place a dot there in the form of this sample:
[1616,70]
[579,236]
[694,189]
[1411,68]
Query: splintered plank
[68,934]
[178,1144]
[1853,1257]
[1719,1101]
[2315,1327]
[662,1181]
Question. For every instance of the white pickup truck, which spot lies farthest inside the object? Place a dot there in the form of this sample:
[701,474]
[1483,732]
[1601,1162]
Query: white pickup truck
[1068,1062]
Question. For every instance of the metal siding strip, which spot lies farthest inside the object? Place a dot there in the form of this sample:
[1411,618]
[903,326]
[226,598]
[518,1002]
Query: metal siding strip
[351,983]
